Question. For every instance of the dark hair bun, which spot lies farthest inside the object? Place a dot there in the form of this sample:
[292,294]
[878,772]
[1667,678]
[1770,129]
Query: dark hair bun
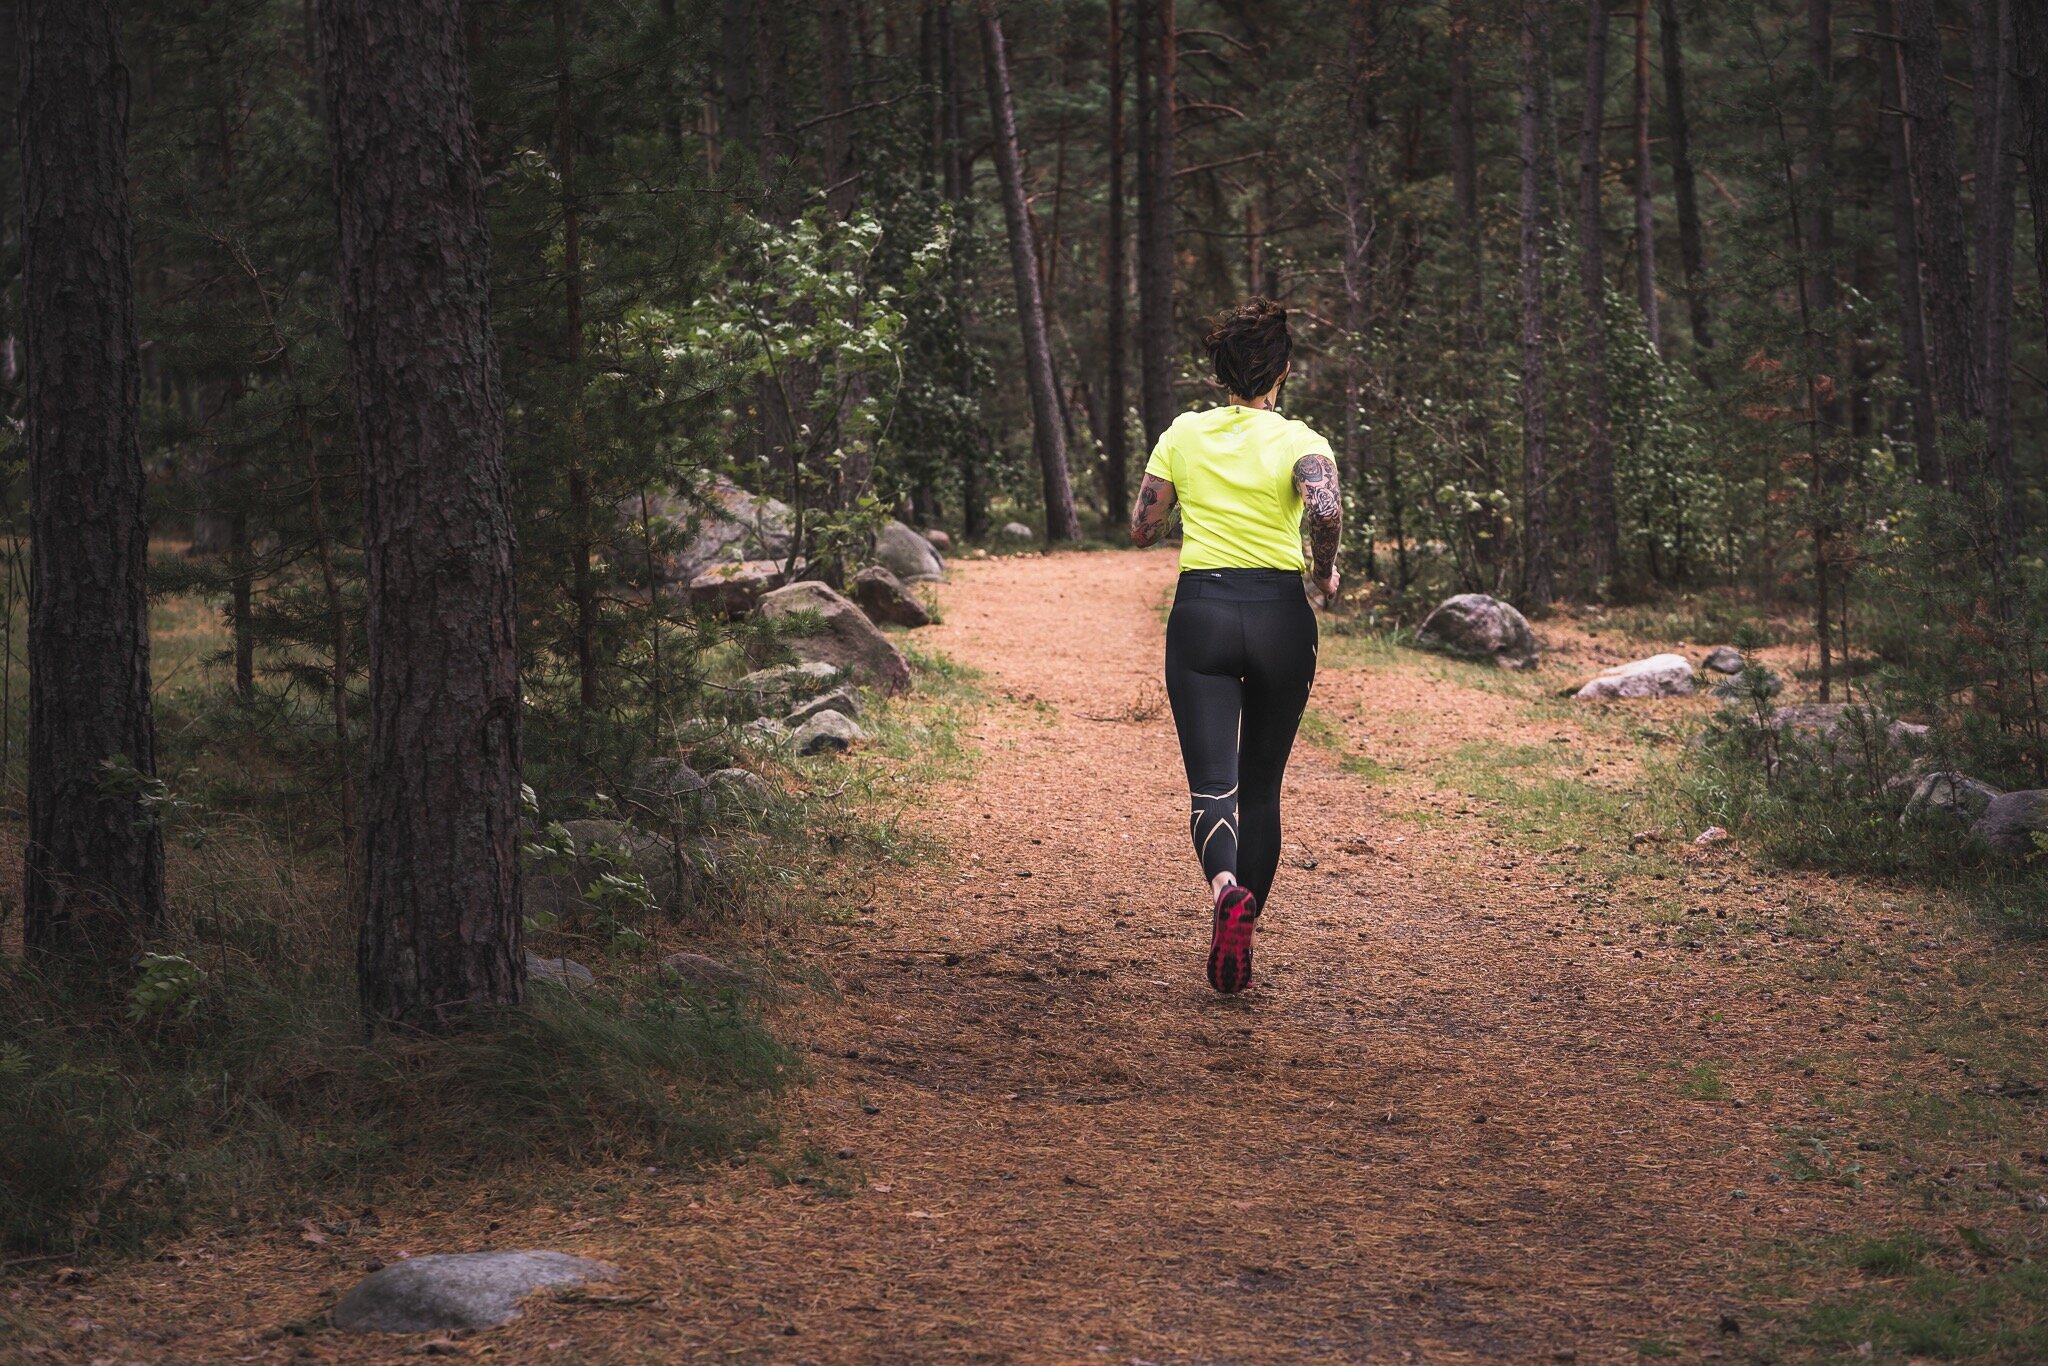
[1249,347]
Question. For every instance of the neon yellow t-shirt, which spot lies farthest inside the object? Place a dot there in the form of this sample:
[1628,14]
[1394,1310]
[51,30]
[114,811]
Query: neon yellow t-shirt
[1232,470]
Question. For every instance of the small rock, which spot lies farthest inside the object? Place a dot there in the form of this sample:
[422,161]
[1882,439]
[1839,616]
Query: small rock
[1017,531]
[1737,689]
[664,780]
[449,1292]
[940,540]
[843,637]
[842,700]
[743,788]
[1723,659]
[2012,819]
[734,588]
[559,892]
[764,730]
[1658,676]
[776,687]
[1476,626]
[700,970]
[1711,836]
[828,730]
[886,601]
[1957,796]
[562,972]
[911,557]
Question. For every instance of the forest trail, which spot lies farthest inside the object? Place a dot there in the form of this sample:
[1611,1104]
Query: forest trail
[1450,1122]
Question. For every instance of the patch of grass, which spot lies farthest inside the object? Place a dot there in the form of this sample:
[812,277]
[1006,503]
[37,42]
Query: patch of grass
[1319,730]
[1921,1299]
[1703,1081]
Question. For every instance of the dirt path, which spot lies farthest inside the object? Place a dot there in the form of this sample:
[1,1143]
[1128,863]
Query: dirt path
[1442,1127]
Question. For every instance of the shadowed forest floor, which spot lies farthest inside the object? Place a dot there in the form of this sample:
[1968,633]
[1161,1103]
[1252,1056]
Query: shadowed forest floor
[1515,1083]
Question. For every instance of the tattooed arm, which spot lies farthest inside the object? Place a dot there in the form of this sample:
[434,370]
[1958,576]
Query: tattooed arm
[1155,504]
[1316,476]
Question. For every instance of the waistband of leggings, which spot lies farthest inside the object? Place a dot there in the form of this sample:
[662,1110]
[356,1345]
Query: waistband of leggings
[1241,585]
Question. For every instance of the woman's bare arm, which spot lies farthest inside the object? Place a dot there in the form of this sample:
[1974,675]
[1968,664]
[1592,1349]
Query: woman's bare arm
[1155,504]
[1316,476]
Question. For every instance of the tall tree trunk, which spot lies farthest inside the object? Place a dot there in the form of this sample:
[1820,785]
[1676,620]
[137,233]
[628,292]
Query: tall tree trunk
[1692,245]
[1593,289]
[736,73]
[1991,63]
[1156,79]
[1361,35]
[1483,524]
[958,167]
[93,868]
[2030,102]
[441,932]
[1944,238]
[1906,248]
[582,582]
[1646,218]
[835,90]
[1538,584]
[1116,452]
[1818,176]
[1047,433]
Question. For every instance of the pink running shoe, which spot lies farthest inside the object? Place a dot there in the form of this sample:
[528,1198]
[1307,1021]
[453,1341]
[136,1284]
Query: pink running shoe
[1230,943]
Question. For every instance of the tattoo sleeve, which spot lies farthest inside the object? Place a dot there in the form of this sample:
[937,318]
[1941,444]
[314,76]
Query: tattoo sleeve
[1316,476]
[1155,505]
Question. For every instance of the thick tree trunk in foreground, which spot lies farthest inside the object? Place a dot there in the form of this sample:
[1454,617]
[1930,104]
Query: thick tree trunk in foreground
[1606,545]
[1116,445]
[441,929]
[1692,245]
[1048,436]
[1538,585]
[1906,251]
[93,869]
[1944,235]
[1156,77]
[2030,109]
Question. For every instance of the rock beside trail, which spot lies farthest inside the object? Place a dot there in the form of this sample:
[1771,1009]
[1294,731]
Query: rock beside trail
[662,781]
[775,688]
[1957,796]
[828,730]
[630,850]
[735,588]
[722,523]
[843,637]
[1017,531]
[451,1292]
[1736,688]
[941,542]
[1723,659]
[741,788]
[698,970]
[886,601]
[842,700]
[908,555]
[2012,819]
[1827,721]
[1475,626]
[1658,676]
[562,972]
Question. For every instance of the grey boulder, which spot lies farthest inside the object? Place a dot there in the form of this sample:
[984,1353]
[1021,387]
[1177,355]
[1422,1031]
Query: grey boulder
[886,601]
[941,542]
[1957,796]
[736,587]
[906,554]
[1476,626]
[663,781]
[627,849]
[1723,659]
[772,689]
[842,700]
[1737,687]
[721,523]
[2012,820]
[1658,676]
[840,635]
[1017,531]
[698,970]
[451,1292]
[741,789]
[561,972]
[828,730]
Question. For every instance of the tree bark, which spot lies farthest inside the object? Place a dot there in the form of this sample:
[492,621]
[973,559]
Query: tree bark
[1944,238]
[582,581]
[1991,62]
[1692,248]
[1906,249]
[441,933]
[1606,547]
[1818,177]
[835,89]
[1361,33]
[1116,453]
[2030,100]
[1646,217]
[93,868]
[1156,79]
[736,73]
[1483,524]
[1538,585]
[1047,432]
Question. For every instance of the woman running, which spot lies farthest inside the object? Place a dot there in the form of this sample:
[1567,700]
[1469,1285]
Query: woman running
[1241,642]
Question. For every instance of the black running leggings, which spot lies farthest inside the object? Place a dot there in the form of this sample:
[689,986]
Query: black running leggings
[1240,657]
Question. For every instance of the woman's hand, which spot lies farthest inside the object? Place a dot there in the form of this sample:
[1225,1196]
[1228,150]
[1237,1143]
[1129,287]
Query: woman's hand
[1328,586]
